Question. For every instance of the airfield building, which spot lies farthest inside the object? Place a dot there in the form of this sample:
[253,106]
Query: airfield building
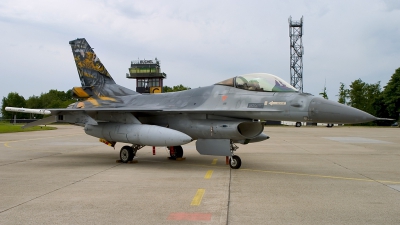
[148,75]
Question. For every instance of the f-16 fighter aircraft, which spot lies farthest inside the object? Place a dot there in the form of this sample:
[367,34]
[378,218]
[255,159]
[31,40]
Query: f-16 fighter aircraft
[217,116]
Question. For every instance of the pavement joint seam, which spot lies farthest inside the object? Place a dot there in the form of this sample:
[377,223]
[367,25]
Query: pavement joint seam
[57,189]
[34,139]
[229,196]
[377,181]
[30,159]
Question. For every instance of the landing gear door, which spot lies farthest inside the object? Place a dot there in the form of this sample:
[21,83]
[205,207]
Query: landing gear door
[220,147]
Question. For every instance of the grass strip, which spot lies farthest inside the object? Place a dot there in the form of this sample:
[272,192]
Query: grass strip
[11,128]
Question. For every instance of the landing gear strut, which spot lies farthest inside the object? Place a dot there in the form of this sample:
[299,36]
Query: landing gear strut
[234,161]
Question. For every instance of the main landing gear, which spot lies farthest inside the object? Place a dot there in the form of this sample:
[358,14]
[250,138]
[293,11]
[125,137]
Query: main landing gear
[234,161]
[175,152]
[127,153]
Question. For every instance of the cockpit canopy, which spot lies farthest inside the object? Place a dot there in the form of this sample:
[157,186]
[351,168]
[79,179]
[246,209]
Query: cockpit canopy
[259,82]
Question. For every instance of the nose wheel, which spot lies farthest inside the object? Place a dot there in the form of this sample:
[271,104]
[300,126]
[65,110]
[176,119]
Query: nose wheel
[235,162]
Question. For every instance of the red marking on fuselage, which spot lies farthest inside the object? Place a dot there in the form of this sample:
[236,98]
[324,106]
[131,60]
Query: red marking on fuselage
[224,97]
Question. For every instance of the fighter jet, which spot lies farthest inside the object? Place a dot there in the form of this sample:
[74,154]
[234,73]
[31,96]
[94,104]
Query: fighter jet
[218,116]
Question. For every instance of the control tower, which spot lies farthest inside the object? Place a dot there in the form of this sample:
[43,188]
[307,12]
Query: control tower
[148,75]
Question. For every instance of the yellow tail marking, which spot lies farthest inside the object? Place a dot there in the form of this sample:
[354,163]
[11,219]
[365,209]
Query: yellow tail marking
[107,98]
[93,101]
[80,92]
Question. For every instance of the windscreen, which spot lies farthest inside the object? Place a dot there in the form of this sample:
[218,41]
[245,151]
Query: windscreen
[263,82]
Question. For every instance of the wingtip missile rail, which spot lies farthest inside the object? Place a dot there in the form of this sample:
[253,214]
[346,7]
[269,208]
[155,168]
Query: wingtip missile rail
[25,110]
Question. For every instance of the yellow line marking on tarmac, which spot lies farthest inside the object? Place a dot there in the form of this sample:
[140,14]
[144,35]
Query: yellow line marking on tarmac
[208,174]
[198,197]
[322,176]
[214,161]
[6,144]
[290,173]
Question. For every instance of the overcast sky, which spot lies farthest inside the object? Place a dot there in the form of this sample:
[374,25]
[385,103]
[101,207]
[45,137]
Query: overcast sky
[199,43]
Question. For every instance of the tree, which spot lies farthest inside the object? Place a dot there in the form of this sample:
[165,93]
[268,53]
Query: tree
[34,102]
[56,99]
[52,99]
[15,100]
[343,94]
[324,94]
[175,88]
[373,94]
[357,94]
[366,97]
[391,95]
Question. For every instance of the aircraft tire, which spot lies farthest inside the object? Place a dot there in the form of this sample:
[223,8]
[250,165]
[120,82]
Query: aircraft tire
[178,152]
[298,124]
[235,162]
[126,154]
[330,125]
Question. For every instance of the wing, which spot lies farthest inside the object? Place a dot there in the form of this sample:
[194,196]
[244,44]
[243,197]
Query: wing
[150,110]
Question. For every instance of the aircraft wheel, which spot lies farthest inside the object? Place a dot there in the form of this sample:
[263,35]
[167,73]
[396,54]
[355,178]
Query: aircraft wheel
[126,154]
[330,125]
[235,162]
[178,152]
[298,124]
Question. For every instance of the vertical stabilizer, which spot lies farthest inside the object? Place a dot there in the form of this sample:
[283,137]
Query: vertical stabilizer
[92,72]
[95,79]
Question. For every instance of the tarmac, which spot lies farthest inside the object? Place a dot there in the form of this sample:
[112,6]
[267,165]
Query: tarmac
[306,175]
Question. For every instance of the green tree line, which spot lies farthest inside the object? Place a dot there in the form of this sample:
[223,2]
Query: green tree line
[175,88]
[371,98]
[51,99]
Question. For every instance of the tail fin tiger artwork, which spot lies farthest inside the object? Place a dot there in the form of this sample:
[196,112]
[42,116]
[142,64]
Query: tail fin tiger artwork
[218,116]
[95,79]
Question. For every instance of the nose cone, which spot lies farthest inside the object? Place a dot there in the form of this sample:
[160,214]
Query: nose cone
[325,111]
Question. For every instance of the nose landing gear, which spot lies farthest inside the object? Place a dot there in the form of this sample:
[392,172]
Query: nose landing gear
[234,161]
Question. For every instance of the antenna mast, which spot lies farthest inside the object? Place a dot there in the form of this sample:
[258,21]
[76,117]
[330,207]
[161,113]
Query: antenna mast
[296,53]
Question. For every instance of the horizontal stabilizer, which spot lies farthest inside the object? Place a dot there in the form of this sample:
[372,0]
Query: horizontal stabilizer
[47,120]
